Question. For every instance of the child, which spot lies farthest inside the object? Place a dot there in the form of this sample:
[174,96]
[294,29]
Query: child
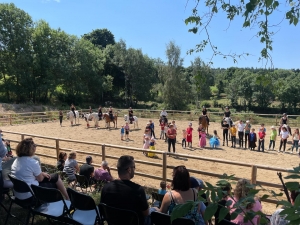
[152,128]
[189,135]
[199,130]
[146,143]
[162,189]
[122,133]
[162,130]
[284,134]
[151,147]
[261,141]
[9,152]
[214,141]
[233,135]
[166,128]
[252,139]
[273,135]
[295,140]
[263,126]
[127,131]
[60,117]
[183,138]
[202,141]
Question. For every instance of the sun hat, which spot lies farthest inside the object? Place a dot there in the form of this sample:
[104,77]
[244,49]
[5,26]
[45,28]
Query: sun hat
[247,121]
[272,127]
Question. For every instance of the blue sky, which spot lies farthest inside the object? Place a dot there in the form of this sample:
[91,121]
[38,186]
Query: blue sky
[151,24]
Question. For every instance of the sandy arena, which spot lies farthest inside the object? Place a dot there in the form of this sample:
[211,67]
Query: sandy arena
[80,132]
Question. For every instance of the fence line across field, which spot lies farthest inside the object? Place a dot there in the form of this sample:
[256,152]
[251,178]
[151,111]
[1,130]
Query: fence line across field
[253,174]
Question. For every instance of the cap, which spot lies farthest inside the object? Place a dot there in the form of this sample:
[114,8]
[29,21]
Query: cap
[272,127]
[88,159]
[196,182]
[247,121]
[190,124]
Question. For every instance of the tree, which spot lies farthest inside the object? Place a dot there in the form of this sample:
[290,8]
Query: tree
[100,37]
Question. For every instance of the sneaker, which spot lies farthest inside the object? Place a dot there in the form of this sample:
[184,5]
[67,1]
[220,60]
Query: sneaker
[279,151]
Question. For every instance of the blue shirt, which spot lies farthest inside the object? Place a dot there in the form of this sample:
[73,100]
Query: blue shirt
[252,136]
[161,191]
[122,130]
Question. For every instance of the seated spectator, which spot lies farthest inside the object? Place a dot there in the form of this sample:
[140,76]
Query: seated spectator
[3,152]
[71,166]
[61,161]
[180,194]
[163,188]
[277,219]
[241,191]
[125,194]
[198,185]
[103,172]
[226,188]
[27,169]
[6,169]
[87,169]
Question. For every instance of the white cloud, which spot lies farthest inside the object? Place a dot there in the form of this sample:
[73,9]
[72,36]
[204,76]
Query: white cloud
[46,1]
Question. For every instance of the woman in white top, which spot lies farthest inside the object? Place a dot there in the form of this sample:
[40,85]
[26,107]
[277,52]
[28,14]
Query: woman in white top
[284,134]
[295,139]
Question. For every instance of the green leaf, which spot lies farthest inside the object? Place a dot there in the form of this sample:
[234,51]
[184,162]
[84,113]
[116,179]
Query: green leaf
[297,201]
[209,186]
[296,21]
[284,203]
[293,176]
[268,2]
[292,186]
[223,212]
[210,211]
[181,210]
[264,197]
[213,196]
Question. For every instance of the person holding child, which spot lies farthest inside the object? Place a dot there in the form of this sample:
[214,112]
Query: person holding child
[189,135]
[273,135]
[214,141]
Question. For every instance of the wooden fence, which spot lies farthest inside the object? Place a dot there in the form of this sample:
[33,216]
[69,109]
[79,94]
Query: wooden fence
[34,117]
[163,165]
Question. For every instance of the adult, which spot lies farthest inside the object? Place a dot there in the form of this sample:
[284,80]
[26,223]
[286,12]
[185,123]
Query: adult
[111,113]
[62,157]
[180,194]
[27,169]
[87,169]
[71,166]
[241,191]
[103,172]
[227,113]
[3,152]
[204,113]
[163,116]
[100,114]
[198,185]
[130,114]
[283,122]
[240,128]
[60,114]
[226,191]
[72,108]
[171,134]
[125,194]
[247,132]
[151,125]
[6,169]
[225,128]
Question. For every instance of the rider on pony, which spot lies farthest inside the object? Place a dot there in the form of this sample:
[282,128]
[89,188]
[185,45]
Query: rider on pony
[163,116]
[90,110]
[100,112]
[283,121]
[227,114]
[130,114]
[204,113]
[110,113]
[72,108]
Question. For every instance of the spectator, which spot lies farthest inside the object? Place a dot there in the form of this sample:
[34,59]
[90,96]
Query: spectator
[198,185]
[103,173]
[183,138]
[71,166]
[2,154]
[261,141]
[127,129]
[233,136]
[171,134]
[6,169]
[247,132]
[181,193]
[61,161]
[27,169]
[8,148]
[163,188]
[152,129]
[225,128]
[162,130]
[189,135]
[240,128]
[60,114]
[123,193]
[295,140]
[252,139]
[284,135]
[166,128]
[240,192]
[87,169]
[273,135]
[226,189]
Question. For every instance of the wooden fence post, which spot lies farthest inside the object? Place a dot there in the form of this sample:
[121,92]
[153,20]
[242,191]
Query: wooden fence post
[22,137]
[57,148]
[164,167]
[10,119]
[253,174]
[276,120]
[103,152]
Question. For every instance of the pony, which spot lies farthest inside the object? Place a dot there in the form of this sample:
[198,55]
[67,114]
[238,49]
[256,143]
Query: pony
[107,119]
[70,116]
[91,117]
[163,119]
[204,123]
[135,120]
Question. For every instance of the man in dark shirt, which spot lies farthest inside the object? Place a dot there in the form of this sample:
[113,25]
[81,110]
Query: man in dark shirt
[125,194]
[87,170]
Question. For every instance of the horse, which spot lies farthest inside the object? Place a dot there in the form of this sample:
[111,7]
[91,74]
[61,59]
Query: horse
[163,119]
[135,120]
[70,116]
[204,123]
[287,127]
[91,117]
[107,119]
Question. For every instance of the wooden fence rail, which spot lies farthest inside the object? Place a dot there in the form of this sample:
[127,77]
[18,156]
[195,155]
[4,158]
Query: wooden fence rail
[56,146]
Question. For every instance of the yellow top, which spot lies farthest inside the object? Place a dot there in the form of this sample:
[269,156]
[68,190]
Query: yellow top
[233,131]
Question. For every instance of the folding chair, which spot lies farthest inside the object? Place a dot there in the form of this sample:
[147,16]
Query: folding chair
[158,218]
[226,222]
[21,187]
[82,182]
[158,198]
[51,203]
[85,209]
[115,216]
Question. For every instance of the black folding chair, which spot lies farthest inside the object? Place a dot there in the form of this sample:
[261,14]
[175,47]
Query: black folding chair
[51,203]
[21,187]
[156,199]
[82,182]
[158,218]
[84,208]
[115,216]
[226,222]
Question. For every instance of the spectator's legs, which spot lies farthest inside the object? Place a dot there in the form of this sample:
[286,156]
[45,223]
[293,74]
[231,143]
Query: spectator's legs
[169,145]
[259,145]
[173,144]
[246,139]
[241,139]
[296,145]
[226,136]
[284,144]
[263,145]
[281,142]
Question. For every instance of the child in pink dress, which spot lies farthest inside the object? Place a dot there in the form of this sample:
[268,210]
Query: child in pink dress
[189,135]
[202,141]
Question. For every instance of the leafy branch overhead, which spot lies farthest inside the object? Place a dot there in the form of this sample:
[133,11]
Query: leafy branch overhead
[259,15]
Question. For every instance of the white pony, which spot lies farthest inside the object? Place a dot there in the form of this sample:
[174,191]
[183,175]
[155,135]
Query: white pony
[91,117]
[70,116]
[229,122]
[135,120]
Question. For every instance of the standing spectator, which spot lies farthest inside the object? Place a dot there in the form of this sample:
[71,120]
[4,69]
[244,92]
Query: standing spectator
[240,128]
[189,135]
[71,166]
[73,108]
[214,141]
[273,135]
[60,114]
[175,127]
[152,129]
[252,139]
[261,141]
[225,128]
[284,134]
[295,140]
[247,131]
[87,169]
[103,172]
[171,134]
[61,161]
[162,130]
[233,136]
[122,193]
[122,130]
[183,138]
[202,141]
[127,129]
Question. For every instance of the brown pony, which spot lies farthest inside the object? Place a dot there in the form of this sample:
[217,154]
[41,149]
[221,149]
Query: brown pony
[204,123]
[107,119]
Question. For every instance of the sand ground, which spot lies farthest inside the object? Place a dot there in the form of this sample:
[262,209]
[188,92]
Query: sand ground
[102,135]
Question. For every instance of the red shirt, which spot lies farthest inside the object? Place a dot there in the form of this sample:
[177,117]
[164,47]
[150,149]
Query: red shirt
[162,126]
[261,134]
[171,132]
